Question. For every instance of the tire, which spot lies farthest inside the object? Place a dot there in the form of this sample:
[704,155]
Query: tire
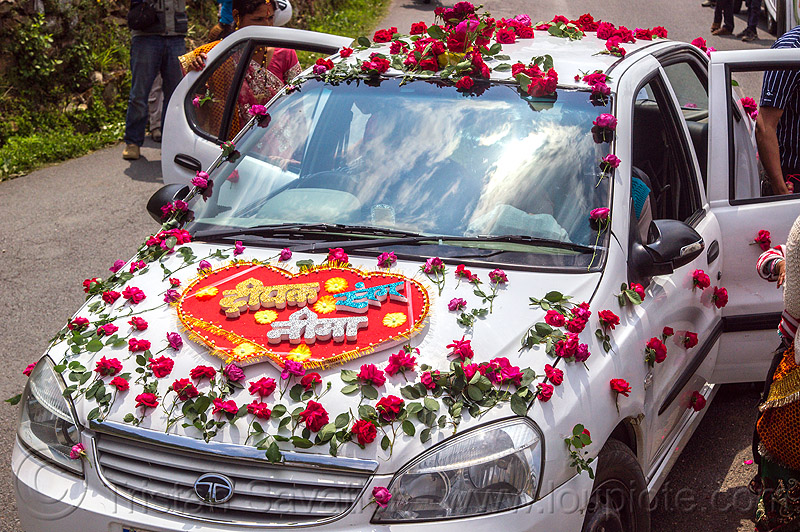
[619,500]
[780,9]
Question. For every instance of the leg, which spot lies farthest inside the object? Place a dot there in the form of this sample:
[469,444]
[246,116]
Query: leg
[727,14]
[753,15]
[144,67]
[171,69]
[155,102]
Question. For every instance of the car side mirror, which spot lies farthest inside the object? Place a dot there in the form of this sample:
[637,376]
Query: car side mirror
[164,195]
[672,244]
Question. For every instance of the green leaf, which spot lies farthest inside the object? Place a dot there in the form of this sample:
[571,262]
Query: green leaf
[93,414]
[385,442]
[348,375]
[634,297]
[543,329]
[734,83]
[554,296]
[409,392]
[431,404]
[327,432]
[278,411]
[285,421]
[296,392]
[85,377]
[518,405]
[577,430]
[474,392]
[437,33]
[342,420]
[425,435]
[14,400]
[301,443]
[413,408]
[367,412]
[369,391]
[128,418]
[502,57]
[495,49]
[548,63]
[363,41]
[555,31]
[585,439]
[502,67]
[408,427]
[94,345]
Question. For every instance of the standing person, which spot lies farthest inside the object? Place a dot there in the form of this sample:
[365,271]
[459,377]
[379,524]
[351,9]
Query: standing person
[723,18]
[155,104]
[157,39]
[779,469]
[753,13]
[778,122]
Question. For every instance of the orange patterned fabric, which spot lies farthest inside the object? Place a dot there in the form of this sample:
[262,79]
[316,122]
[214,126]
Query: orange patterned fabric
[780,421]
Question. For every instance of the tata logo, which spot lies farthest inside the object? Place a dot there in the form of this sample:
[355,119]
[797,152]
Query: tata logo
[213,488]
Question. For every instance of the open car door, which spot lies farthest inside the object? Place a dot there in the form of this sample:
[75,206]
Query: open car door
[203,113]
[735,195]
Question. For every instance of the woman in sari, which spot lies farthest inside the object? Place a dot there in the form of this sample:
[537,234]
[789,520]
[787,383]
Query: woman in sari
[267,71]
[779,505]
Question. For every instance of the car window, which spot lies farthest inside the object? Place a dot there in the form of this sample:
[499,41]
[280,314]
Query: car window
[207,101]
[690,84]
[660,157]
[420,157]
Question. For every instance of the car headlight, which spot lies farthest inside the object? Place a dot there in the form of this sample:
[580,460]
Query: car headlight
[47,425]
[489,469]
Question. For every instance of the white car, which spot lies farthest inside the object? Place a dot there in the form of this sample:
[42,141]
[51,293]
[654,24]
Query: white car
[370,180]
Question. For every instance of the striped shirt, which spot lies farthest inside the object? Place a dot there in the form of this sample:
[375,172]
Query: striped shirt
[781,89]
[766,267]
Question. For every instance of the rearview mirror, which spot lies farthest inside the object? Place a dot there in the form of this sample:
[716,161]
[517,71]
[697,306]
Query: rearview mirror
[672,244]
[164,195]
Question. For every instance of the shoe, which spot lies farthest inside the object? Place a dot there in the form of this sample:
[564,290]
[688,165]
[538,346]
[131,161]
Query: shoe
[749,36]
[155,134]
[708,3]
[715,26]
[131,152]
[722,31]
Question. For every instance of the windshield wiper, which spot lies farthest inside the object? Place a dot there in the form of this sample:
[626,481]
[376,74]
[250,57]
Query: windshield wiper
[295,228]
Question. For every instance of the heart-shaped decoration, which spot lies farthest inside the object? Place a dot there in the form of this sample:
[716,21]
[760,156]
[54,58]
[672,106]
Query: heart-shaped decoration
[248,312]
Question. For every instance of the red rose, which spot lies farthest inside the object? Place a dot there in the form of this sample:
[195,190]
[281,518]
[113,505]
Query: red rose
[370,374]
[258,409]
[364,431]
[608,319]
[108,367]
[555,318]
[389,407]
[327,63]
[525,32]
[310,380]
[668,331]
[576,325]
[161,366]
[345,52]
[120,384]
[505,36]
[465,83]
[461,348]
[138,323]
[605,30]
[646,35]
[110,296]
[621,386]
[133,294]
[262,387]
[174,282]
[639,289]
[400,362]
[720,297]
[147,400]
[78,324]
[700,279]
[228,407]
[315,416]
[87,283]
[545,392]
[554,375]
[337,255]
[586,22]
[690,340]
[203,372]
[185,389]
[135,345]
[697,401]
[418,28]
[429,378]
[107,330]
[384,35]
[658,349]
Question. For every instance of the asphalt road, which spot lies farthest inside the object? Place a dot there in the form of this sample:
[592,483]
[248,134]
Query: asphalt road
[68,222]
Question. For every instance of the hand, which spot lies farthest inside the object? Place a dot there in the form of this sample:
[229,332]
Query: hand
[781,269]
[199,62]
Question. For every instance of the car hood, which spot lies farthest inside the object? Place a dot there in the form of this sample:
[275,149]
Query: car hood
[497,334]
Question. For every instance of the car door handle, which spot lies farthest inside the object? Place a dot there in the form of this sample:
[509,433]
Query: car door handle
[188,162]
[713,252]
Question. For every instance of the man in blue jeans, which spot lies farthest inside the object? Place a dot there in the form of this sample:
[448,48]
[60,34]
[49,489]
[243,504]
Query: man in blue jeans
[154,49]
[751,33]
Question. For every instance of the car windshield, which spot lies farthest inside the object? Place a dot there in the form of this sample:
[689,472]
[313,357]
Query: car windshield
[422,158]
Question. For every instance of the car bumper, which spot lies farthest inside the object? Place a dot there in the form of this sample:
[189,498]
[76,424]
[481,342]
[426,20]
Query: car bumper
[49,499]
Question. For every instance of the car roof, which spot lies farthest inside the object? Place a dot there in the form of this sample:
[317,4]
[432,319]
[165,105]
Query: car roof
[570,58]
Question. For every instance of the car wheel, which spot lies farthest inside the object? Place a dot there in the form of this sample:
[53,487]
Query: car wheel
[619,501]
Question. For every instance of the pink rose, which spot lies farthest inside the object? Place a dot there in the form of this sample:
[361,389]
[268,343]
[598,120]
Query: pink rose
[720,297]
[233,373]
[461,348]
[599,214]
[639,289]
[118,264]
[107,330]
[238,248]
[611,160]
[106,367]
[337,255]
[606,121]
[260,410]
[133,294]
[554,375]
[286,254]
[554,318]
[77,452]
[174,340]
[428,379]
[700,280]
[381,496]
[400,362]
[456,303]
[315,416]
[137,323]
[370,374]
[291,367]
[228,407]
[161,366]
[545,392]
[200,180]
[27,371]
[120,384]
[386,259]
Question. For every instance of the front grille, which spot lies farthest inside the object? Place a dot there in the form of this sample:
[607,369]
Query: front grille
[263,493]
